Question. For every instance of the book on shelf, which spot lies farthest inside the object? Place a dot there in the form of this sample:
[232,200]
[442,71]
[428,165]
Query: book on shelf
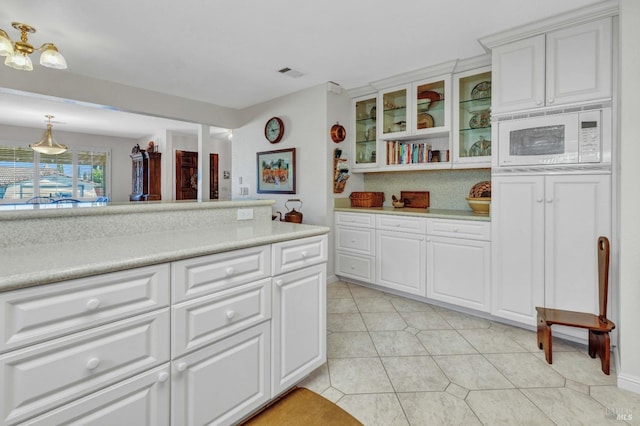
[399,152]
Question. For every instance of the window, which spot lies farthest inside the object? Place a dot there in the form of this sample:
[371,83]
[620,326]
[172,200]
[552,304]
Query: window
[79,173]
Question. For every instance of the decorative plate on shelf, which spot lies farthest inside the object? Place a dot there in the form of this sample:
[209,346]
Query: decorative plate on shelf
[481,90]
[434,97]
[424,121]
[481,148]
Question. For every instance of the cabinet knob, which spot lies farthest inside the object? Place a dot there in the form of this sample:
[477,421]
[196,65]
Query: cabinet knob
[304,253]
[231,313]
[279,283]
[455,229]
[549,200]
[163,377]
[182,366]
[550,101]
[539,200]
[229,271]
[93,363]
[353,241]
[538,102]
[93,304]
[353,267]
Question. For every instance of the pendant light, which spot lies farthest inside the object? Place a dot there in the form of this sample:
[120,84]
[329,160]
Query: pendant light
[17,53]
[48,144]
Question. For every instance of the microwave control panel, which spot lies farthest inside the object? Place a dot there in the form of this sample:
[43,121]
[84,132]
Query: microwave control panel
[589,145]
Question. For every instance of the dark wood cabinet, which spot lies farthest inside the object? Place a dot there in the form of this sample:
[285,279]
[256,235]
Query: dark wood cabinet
[145,176]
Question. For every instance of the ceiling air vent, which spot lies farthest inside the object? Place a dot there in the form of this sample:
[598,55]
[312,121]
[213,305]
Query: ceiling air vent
[290,73]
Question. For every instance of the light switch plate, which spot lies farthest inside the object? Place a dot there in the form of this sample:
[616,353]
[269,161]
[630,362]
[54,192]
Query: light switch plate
[245,214]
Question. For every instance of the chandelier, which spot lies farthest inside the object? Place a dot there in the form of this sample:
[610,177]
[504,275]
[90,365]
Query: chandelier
[48,144]
[18,52]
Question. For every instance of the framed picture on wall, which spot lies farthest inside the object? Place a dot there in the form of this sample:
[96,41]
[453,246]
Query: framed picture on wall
[277,171]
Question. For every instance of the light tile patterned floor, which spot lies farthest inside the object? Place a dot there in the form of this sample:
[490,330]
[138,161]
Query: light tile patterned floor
[396,361]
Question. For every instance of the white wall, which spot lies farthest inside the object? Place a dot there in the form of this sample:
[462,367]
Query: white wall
[629,197]
[304,115]
[120,150]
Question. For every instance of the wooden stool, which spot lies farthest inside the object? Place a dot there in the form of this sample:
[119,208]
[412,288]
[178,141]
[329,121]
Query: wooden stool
[598,325]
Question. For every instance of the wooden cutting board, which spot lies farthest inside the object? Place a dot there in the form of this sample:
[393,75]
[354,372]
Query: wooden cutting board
[415,199]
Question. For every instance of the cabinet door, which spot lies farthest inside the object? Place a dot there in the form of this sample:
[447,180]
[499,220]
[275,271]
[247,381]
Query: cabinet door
[431,106]
[400,261]
[365,133]
[299,325]
[517,212]
[579,63]
[141,400]
[472,118]
[221,383]
[394,106]
[519,74]
[578,211]
[459,272]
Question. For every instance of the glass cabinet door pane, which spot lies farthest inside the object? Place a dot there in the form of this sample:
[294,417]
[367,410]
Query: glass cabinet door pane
[430,111]
[394,111]
[365,131]
[475,115]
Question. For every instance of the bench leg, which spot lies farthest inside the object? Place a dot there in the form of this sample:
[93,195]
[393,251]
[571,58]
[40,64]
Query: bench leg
[544,338]
[600,344]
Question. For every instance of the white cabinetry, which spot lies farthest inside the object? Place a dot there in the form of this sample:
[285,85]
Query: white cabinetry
[84,335]
[459,263]
[545,230]
[221,383]
[298,325]
[355,246]
[565,66]
[400,253]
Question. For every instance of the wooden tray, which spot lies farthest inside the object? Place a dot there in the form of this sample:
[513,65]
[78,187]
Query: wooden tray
[415,199]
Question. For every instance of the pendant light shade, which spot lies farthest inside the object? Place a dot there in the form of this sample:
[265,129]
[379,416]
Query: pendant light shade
[48,144]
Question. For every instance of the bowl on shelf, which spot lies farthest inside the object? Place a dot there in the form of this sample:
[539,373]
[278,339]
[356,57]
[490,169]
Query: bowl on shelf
[480,205]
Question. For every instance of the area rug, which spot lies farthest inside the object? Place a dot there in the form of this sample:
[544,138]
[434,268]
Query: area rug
[302,407]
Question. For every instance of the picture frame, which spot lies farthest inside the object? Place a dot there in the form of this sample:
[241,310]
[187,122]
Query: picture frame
[276,171]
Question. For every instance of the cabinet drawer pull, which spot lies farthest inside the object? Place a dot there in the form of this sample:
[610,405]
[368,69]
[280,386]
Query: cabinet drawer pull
[229,271]
[231,313]
[539,200]
[549,200]
[93,363]
[279,283]
[550,100]
[538,102]
[353,267]
[182,366]
[304,253]
[455,229]
[163,377]
[92,304]
[353,241]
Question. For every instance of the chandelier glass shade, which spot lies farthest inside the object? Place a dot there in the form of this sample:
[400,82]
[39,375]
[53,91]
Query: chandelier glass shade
[17,53]
[48,144]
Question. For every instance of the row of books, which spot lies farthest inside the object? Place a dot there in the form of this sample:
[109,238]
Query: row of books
[399,152]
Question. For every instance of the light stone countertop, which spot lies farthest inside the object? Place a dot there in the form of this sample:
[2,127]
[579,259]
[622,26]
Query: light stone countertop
[31,265]
[434,213]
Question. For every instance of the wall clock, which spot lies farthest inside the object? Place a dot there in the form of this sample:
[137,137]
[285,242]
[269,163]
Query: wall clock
[274,130]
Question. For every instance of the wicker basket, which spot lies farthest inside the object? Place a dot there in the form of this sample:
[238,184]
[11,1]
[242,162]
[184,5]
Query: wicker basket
[366,199]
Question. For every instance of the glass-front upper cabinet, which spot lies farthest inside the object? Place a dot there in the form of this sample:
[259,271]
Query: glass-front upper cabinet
[365,131]
[394,112]
[472,118]
[431,106]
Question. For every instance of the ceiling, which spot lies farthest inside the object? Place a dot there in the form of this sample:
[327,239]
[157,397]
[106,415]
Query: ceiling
[228,52]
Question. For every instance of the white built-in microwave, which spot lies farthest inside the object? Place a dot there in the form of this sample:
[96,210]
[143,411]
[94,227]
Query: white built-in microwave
[580,136]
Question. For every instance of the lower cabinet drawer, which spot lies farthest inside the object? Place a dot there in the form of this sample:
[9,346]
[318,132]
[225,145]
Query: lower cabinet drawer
[141,400]
[209,318]
[45,376]
[40,313]
[203,275]
[356,240]
[470,229]
[220,383]
[295,254]
[354,266]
